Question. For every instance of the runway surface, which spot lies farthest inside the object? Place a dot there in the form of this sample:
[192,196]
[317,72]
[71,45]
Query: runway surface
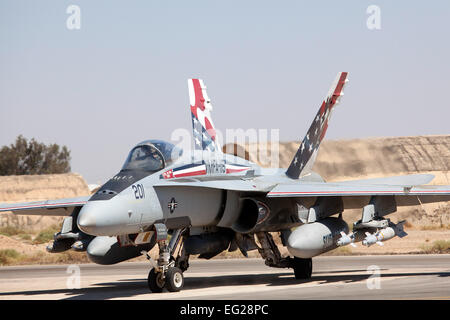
[349,277]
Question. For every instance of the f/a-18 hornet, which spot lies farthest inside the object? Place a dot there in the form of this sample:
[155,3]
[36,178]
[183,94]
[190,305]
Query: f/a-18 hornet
[204,202]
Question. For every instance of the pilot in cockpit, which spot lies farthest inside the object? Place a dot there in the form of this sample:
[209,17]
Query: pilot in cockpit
[145,158]
[151,156]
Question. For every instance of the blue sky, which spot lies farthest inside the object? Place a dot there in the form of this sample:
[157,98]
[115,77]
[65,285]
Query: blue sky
[122,78]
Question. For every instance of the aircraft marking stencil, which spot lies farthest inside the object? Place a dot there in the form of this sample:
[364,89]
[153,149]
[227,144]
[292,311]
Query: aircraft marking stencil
[204,168]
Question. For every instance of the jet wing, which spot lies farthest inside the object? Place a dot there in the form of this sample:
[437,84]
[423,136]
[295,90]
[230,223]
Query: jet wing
[356,196]
[397,185]
[60,207]
[353,189]
[234,185]
[409,180]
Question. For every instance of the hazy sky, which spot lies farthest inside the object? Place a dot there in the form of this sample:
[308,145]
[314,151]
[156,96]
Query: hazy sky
[122,77]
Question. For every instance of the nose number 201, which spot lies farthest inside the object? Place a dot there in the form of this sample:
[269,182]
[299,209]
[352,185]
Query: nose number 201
[139,192]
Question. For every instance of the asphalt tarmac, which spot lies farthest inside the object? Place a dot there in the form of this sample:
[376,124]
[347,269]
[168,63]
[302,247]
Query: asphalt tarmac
[345,277]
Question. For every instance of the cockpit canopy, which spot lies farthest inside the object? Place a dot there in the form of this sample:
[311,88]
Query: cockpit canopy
[152,156]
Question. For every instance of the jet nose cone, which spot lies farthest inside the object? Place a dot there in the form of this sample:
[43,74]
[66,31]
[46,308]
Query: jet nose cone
[86,222]
[102,218]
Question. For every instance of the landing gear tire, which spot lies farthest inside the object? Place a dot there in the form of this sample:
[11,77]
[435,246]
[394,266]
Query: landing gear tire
[174,279]
[302,268]
[155,281]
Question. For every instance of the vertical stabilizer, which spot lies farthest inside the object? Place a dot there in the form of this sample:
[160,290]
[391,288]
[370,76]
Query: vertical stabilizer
[204,132]
[306,154]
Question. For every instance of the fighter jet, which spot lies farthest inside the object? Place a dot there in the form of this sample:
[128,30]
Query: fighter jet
[204,202]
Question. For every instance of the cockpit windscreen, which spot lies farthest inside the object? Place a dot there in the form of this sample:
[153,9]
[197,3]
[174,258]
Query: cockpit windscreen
[144,157]
[152,156]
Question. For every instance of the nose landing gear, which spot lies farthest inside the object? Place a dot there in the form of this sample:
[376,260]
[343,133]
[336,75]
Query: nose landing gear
[156,281]
[174,279]
[168,270]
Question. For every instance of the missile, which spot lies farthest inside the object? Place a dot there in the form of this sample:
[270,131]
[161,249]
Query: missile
[385,234]
[379,236]
[371,239]
[346,239]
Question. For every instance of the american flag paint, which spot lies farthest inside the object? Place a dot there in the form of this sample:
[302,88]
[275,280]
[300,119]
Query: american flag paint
[201,169]
[307,152]
[204,132]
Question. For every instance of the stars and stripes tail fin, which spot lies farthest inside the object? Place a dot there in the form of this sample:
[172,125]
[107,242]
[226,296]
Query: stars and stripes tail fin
[204,132]
[306,154]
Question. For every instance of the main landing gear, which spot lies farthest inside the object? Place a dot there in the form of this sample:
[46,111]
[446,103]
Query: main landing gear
[167,271]
[272,256]
[302,268]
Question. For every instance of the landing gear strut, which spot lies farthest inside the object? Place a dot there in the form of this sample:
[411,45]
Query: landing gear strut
[167,271]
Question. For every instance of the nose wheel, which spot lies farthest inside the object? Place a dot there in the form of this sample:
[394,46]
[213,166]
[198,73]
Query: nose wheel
[173,280]
[156,281]
[168,270]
